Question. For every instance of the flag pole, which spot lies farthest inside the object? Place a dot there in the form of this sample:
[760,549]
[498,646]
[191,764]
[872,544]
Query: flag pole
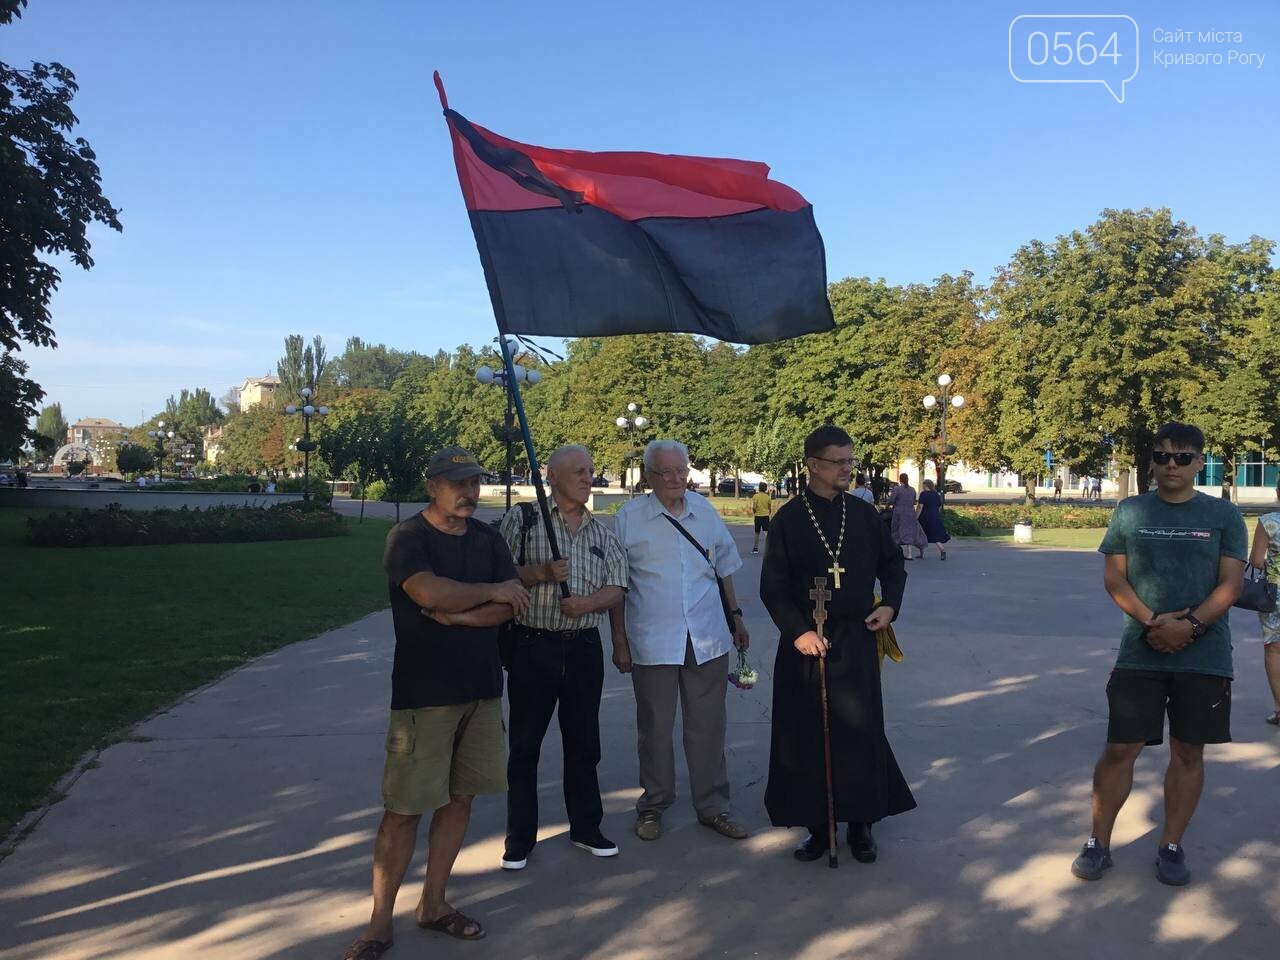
[535,472]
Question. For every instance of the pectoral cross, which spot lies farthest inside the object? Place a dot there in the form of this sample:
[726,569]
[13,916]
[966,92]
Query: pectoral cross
[835,570]
[819,595]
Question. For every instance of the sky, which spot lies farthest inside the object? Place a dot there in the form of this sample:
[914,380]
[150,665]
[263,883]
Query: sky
[282,166]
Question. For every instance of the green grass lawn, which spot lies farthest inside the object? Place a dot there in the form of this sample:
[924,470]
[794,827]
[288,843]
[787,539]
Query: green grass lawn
[94,640]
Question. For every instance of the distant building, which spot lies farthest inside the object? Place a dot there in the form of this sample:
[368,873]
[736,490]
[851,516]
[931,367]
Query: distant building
[212,443]
[91,430]
[256,390]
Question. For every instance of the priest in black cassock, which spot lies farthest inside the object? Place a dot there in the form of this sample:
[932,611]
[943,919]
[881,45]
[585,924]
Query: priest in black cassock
[827,532]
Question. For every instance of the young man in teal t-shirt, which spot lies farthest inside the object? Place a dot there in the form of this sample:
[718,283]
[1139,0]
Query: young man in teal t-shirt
[1174,564]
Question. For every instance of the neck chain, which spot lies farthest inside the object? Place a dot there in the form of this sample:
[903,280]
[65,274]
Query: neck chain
[835,567]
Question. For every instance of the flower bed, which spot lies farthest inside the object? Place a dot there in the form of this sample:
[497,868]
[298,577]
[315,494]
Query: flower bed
[1003,516]
[114,527]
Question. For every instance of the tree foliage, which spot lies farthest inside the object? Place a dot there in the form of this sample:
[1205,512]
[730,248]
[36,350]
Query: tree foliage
[51,191]
[52,424]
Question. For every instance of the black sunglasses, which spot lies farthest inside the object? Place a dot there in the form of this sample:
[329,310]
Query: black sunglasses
[1181,459]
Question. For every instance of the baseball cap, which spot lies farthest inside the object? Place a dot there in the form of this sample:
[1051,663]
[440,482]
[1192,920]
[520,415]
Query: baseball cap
[454,463]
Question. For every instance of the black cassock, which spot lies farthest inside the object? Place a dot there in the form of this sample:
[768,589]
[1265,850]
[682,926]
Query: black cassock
[867,782]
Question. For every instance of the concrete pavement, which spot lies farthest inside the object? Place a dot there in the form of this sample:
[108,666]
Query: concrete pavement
[239,823]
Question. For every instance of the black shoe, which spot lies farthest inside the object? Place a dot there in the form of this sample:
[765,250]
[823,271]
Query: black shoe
[1094,859]
[515,858]
[813,846]
[598,845]
[862,843]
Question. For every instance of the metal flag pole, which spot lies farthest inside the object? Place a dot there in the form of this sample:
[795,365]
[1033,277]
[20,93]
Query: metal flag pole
[535,471]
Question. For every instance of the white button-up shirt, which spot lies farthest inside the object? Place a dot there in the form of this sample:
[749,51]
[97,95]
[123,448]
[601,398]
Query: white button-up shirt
[672,588]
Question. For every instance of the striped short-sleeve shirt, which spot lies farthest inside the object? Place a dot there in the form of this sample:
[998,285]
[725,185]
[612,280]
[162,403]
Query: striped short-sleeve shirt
[595,558]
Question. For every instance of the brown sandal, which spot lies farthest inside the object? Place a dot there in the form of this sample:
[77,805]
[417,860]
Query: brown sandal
[367,949]
[455,925]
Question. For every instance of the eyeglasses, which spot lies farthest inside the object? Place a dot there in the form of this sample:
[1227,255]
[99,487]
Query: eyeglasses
[847,463]
[670,475]
[1181,459]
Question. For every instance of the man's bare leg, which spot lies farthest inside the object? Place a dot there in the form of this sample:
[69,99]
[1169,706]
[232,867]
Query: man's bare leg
[1183,782]
[444,839]
[1112,781]
[392,853]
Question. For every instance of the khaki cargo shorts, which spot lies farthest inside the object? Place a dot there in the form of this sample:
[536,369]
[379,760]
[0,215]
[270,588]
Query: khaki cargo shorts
[436,752]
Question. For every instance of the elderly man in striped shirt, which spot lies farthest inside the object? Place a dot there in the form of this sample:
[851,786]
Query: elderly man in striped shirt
[557,657]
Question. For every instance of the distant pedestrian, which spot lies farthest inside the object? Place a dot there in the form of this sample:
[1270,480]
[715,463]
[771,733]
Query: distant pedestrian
[1266,557]
[929,512]
[1097,488]
[142,480]
[1057,489]
[860,489]
[1084,488]
[271,486]
[761,511]
[907,532]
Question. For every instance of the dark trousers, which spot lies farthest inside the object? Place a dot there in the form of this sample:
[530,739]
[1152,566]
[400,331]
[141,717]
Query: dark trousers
[548,668]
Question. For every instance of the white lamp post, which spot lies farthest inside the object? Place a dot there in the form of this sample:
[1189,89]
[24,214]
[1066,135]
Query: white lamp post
[498,378]
[941,448]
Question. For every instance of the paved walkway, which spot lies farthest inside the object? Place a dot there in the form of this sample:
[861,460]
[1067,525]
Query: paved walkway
[239,824]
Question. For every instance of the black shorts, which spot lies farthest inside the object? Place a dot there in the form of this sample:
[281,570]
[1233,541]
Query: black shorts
[1199,707]
[762,524]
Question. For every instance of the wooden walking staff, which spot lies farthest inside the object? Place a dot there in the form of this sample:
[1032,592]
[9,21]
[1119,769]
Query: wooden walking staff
[820,595]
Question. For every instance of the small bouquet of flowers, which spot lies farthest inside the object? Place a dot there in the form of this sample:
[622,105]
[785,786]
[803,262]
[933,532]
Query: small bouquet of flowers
[743,676]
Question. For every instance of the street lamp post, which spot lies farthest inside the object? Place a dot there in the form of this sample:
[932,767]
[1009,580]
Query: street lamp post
[491,377]
[941,448]
[160,435]
[631,424]
[306,444]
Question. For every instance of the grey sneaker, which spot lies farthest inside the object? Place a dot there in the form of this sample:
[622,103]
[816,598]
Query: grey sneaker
[1171,866]
[1093,860]
[649,825]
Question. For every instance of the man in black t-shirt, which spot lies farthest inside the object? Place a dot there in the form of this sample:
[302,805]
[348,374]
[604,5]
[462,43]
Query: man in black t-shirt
[452,581]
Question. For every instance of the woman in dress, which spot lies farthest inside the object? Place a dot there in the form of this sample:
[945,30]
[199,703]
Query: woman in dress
[906,528]
[1265,555]
[929,511]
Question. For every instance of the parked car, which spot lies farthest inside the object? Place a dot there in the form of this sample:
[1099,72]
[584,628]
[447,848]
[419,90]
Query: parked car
[725,487]
[952,486]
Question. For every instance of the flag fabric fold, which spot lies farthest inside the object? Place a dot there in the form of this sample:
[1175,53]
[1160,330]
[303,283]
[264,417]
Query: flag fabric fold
[579,244]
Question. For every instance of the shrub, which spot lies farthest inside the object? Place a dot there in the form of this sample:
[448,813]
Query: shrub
[1002,516]
[114,527]
[960,525]
[377,490]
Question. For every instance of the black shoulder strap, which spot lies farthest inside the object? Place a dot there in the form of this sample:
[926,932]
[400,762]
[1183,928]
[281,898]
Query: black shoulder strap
[528,517]
[688,536]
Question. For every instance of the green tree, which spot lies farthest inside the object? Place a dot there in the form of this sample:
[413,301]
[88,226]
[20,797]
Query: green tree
[407,444]
[1240,408]
[367,366]
[243,438]
[51,191]
[189,413]
[774,448]
[1104,336]
[133,459]
[303,365]
[18,399]
[52,424]
[350,438]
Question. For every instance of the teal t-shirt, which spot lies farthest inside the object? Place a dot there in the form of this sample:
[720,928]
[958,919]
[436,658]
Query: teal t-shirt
[1173,550]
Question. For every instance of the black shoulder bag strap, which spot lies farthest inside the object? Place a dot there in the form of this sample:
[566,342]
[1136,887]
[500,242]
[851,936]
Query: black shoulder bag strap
[706,555]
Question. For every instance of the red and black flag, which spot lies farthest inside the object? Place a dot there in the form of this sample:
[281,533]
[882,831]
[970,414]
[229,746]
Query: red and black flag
[580,244]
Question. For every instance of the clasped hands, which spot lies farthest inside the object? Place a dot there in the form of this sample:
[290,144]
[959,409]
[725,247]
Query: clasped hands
[1168,632]
[811,645]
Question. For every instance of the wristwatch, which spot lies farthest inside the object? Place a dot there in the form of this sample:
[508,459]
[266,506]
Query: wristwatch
[1197,628]
[736,611]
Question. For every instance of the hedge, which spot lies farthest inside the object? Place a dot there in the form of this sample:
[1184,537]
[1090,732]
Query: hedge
[114,527]
[1003,516]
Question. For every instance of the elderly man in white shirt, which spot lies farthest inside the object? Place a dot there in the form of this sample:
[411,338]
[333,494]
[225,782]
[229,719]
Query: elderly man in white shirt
[671,636]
